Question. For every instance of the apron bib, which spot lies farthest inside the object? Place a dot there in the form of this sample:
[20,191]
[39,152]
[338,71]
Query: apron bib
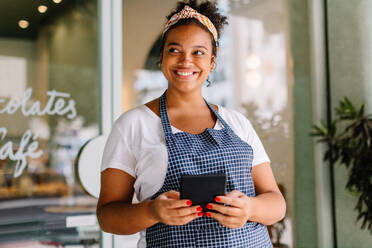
[213,151]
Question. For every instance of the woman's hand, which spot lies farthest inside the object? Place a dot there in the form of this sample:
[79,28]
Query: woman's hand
[236,214]
[169,209]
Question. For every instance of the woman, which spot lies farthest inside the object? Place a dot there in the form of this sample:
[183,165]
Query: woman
[180,133]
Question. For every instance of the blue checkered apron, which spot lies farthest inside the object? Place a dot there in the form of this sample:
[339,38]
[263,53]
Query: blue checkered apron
[213,151]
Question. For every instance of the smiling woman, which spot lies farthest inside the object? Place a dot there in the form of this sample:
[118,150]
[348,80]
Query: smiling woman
[179,133]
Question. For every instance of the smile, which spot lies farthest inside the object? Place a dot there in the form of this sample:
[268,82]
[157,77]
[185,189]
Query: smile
[183,73]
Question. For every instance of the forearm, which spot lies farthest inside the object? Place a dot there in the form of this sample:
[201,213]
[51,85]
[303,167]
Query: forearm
[125,218]
[268,208]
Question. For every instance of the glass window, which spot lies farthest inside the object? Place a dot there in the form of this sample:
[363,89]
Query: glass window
[350,76]
[49,107]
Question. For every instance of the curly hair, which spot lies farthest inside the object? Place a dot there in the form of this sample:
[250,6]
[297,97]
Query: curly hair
[208,9]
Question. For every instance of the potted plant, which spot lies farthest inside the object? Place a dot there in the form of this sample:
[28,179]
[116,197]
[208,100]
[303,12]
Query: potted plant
[349,139]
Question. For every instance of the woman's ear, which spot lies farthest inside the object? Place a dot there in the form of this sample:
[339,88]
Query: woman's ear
[213,59]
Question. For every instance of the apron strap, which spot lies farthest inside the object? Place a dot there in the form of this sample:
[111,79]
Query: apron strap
[224,124]
[164,116]
[165,120]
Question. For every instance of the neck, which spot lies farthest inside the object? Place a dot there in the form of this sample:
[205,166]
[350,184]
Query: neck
[185,100]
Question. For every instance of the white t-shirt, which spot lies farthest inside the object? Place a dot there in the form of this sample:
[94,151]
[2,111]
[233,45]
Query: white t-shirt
[136,145]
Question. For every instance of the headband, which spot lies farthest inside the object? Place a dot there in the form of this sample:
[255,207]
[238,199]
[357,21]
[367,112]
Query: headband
[187,13]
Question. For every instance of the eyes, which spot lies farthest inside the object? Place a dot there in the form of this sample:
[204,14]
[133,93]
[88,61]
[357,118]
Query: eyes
[199,52]
[175,51]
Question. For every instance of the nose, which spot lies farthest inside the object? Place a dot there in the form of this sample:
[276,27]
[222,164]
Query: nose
[185,59]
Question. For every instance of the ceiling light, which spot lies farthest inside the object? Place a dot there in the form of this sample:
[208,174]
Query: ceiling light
[57,1]
[253,62]
[23,24]
[42,8]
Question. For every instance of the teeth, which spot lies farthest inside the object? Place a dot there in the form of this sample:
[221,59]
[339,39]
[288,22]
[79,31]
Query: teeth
[184,73]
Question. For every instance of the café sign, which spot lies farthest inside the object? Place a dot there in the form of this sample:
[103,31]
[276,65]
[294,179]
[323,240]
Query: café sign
[59,103]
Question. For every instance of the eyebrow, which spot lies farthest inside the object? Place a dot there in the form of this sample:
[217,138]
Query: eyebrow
[177,44]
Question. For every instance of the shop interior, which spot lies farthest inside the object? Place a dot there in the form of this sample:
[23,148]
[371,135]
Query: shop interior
[50,104]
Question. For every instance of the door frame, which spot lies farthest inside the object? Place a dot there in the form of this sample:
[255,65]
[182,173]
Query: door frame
[318,61]
[111,69]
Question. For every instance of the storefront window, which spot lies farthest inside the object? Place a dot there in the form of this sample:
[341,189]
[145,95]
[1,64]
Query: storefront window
[253,75]
[350,76]
[49,107]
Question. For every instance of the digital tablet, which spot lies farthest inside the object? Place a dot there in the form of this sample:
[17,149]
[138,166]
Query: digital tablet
[202,189]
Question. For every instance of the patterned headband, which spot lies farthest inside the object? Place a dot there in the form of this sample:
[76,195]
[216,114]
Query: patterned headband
[187,13]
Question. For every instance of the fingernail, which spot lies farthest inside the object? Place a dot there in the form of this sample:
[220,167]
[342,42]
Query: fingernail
[217,199]
[200,214]
[199,209]
[209,206]
[208,214]
[189,203]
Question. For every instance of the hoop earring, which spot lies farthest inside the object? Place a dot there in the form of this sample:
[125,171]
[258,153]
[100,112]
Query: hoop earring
[208,82]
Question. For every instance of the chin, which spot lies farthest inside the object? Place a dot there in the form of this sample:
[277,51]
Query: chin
[184,87]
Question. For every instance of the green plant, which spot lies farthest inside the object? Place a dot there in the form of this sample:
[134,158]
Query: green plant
[352,146]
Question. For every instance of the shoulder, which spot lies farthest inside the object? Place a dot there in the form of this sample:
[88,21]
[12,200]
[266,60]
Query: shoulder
[131,115]
[133,118]
[238,122]
[233,117]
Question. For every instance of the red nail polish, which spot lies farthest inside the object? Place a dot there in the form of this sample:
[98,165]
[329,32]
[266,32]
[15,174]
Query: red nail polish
[189,203]
[199,209]
[209,206]
[208,214]
[200,214]
[217,199]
